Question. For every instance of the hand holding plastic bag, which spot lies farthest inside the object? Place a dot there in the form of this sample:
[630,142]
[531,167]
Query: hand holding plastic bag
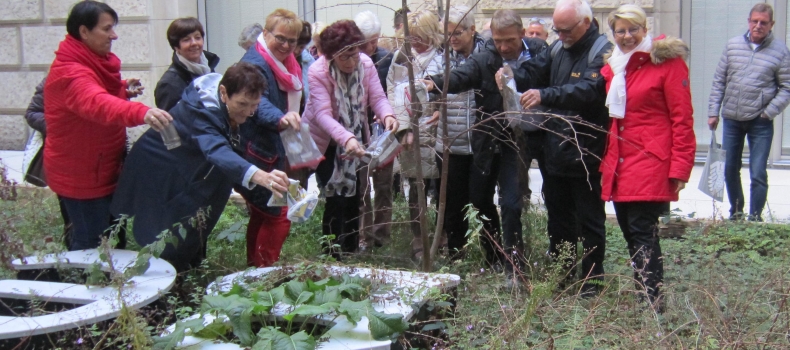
[300,148]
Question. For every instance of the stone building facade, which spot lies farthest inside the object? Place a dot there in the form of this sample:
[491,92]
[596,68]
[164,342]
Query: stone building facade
[30,31]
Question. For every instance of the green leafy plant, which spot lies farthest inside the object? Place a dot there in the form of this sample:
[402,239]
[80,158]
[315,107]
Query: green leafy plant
[305,301]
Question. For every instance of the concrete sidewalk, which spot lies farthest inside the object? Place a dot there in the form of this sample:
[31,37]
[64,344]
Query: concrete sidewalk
[691,199]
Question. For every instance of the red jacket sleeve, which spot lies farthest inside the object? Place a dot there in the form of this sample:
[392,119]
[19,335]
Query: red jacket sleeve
[677,94]
[89,100]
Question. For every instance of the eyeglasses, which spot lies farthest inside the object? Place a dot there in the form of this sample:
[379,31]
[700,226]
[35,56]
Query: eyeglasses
[621,32]
[565,31]
[534,20]
[283,40]
[348,56]
[457,33]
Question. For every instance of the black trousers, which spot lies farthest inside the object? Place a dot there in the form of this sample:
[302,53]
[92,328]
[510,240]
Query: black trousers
[482,188]
[576,213]
[458,188]
[341,214]
[639,223]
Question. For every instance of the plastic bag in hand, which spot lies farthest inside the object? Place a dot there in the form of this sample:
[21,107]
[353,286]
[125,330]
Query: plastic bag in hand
[382,150]
[516,116]
[300,148]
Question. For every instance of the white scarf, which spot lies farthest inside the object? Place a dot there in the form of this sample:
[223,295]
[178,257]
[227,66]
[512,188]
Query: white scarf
[616,97]
[199,69]
[422,63]
[294,96]
[350,106]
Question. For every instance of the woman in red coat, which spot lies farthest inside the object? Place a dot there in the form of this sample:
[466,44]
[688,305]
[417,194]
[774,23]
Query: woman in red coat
[651,144]
[87,112]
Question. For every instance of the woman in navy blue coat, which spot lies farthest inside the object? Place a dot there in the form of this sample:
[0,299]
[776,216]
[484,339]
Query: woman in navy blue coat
[272,54]
[191,184]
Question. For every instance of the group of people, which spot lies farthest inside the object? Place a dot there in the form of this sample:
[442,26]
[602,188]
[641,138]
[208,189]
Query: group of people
[618,127]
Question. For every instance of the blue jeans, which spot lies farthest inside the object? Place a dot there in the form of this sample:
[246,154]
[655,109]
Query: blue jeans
[90,219]
[759,132]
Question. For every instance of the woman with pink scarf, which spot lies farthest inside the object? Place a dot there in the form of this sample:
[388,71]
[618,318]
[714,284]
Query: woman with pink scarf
[260,135]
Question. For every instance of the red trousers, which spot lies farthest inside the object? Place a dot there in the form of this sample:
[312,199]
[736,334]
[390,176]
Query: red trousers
[265,236]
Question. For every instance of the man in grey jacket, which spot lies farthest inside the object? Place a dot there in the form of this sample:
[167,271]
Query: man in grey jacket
[750,88]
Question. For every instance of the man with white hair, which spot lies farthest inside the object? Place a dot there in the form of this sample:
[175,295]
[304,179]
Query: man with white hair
[569,74]
[537,29]
[376,221]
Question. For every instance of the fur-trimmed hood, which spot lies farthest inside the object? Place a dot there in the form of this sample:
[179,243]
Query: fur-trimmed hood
[664,48]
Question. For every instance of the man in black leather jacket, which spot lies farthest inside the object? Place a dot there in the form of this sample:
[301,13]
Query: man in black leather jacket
[494,153]
[572,87]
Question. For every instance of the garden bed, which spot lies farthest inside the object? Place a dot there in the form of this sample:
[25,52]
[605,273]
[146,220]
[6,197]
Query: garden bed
[372,322]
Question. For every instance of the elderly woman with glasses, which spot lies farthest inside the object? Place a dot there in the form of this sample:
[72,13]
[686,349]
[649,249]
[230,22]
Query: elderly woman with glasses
[651,142]
[426,39]
[191,184]
[272,53]
[344,84]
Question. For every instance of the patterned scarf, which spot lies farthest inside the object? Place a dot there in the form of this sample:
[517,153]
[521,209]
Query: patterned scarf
[350,108]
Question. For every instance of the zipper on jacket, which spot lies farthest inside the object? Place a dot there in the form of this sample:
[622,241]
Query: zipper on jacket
[469,97]
[208,173]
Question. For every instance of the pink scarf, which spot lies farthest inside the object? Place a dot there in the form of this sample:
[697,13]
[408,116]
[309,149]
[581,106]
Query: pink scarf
[288,74]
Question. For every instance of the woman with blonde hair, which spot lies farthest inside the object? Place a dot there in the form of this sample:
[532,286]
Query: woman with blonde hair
[651,143]
[278,109]
[425,37]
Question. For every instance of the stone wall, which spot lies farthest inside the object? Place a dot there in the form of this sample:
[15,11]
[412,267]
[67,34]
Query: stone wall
[30,31]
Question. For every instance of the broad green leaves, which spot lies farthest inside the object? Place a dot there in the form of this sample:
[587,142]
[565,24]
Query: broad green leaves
[272,339]
[330,297]
[171,340]
[382,326]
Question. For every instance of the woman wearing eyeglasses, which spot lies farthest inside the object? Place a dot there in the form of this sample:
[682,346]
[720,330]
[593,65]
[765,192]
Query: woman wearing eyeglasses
[191,184]
[651,143]
[425,38]
[272,53]
[344,83]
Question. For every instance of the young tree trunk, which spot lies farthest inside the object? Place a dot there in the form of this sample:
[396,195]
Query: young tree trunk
[442,204]
[416,109]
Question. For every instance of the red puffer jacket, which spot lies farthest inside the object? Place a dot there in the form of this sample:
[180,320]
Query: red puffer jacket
[655,141]
[87,114]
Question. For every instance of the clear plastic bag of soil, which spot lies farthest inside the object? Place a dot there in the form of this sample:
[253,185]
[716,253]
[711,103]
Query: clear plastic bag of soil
[529,120]
[383,149]
[300,148]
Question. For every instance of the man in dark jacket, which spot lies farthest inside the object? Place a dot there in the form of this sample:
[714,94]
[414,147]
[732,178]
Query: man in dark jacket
[494,155]
[572,86]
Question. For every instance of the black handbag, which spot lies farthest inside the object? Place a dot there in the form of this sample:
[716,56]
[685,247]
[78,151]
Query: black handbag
[35,171]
